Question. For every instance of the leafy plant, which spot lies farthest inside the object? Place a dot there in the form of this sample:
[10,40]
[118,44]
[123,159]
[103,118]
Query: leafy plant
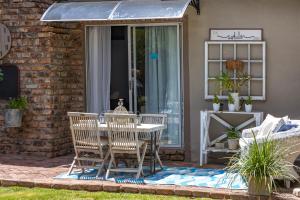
[232,133]
[216,99]
[248,101]
[230,99]
[231,85]
[1,75]
[17,103]
[261,163]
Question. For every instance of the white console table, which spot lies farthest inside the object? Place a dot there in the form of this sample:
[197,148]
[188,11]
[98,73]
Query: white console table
[206,145]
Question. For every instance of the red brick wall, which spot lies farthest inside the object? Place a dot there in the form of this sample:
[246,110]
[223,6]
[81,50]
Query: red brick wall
[50,59]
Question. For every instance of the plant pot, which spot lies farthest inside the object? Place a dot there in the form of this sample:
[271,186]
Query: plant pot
[248,107]
[13,117]
[216,107]
[258,189]
[231,107]
[233,144]
[236,98]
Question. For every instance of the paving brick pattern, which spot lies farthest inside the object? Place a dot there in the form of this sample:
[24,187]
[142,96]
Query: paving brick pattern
[29,171]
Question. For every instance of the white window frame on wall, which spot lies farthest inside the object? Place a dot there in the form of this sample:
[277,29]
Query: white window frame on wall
[247,61]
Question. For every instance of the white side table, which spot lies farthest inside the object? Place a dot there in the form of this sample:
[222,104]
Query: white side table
[206,145]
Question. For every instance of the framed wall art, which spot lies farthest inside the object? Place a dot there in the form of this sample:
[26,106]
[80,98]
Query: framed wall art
[216,34]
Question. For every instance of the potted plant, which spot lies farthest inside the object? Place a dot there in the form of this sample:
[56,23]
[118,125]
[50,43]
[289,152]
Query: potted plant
[233,136]
[13,115]
[231,106]
[229,83]
[260,164]
[248,104]
[216,103]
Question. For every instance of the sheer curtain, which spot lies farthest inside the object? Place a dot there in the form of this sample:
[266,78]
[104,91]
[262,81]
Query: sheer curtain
[99,68]
[162,78]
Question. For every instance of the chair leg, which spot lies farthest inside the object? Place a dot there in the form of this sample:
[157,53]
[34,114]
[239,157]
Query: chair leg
[109,165]
[158,159]
[72,166]
[141,161]
[102,164]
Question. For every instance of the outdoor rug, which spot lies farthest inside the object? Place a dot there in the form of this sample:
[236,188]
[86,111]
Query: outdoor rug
[182,176]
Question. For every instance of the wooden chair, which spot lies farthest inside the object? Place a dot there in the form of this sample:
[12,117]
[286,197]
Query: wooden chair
[88,144]
[123,139]
[154,119]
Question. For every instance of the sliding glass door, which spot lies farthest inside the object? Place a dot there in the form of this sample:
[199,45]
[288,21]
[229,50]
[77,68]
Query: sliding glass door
[155,75]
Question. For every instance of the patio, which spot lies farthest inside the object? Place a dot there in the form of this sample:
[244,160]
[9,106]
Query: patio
[29,171]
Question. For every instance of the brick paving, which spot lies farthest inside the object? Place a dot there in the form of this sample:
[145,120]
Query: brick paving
[28,171]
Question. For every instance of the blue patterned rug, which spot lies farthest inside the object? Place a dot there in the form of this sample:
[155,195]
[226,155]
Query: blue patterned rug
[182,176]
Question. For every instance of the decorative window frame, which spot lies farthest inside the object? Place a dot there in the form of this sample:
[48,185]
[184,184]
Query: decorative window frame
[248,63]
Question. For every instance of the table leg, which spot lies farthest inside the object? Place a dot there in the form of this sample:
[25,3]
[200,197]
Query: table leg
[154,157]
[151,156]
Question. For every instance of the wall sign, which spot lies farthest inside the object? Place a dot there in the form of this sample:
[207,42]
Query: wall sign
[5,40]
[235,34]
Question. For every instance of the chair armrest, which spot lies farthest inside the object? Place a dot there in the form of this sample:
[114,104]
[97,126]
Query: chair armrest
[248,133]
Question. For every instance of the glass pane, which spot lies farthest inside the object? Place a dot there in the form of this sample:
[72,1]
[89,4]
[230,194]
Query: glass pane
[158,77]
[79,11]
[145,9]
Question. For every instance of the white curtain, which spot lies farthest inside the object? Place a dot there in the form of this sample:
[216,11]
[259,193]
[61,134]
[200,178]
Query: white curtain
[162,78]
[99,68]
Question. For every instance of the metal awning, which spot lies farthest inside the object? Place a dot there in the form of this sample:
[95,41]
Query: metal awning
[115,10]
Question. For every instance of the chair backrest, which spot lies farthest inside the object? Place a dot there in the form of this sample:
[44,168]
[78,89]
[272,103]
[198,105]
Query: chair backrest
[153,119]
[122,130]
[84,128]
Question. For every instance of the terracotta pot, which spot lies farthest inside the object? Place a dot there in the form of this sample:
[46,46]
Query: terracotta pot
[258,189]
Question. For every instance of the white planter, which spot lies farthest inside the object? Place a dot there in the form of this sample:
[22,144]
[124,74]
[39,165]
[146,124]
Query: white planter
[233,144]
[248,107]
[236,98]
[231,107]
[13,118]
[216,107]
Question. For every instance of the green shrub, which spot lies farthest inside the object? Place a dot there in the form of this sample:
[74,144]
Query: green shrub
[216,99]
[230,99]
[248,101]
[262,162]
[233,133]
[17,103]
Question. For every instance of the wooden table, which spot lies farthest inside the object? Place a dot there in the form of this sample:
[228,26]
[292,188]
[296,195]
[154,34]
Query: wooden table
[152,129]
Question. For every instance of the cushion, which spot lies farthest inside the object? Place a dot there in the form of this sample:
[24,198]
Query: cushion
[271,125]
[286,127]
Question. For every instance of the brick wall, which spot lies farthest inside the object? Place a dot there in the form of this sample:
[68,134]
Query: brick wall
[50,60]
